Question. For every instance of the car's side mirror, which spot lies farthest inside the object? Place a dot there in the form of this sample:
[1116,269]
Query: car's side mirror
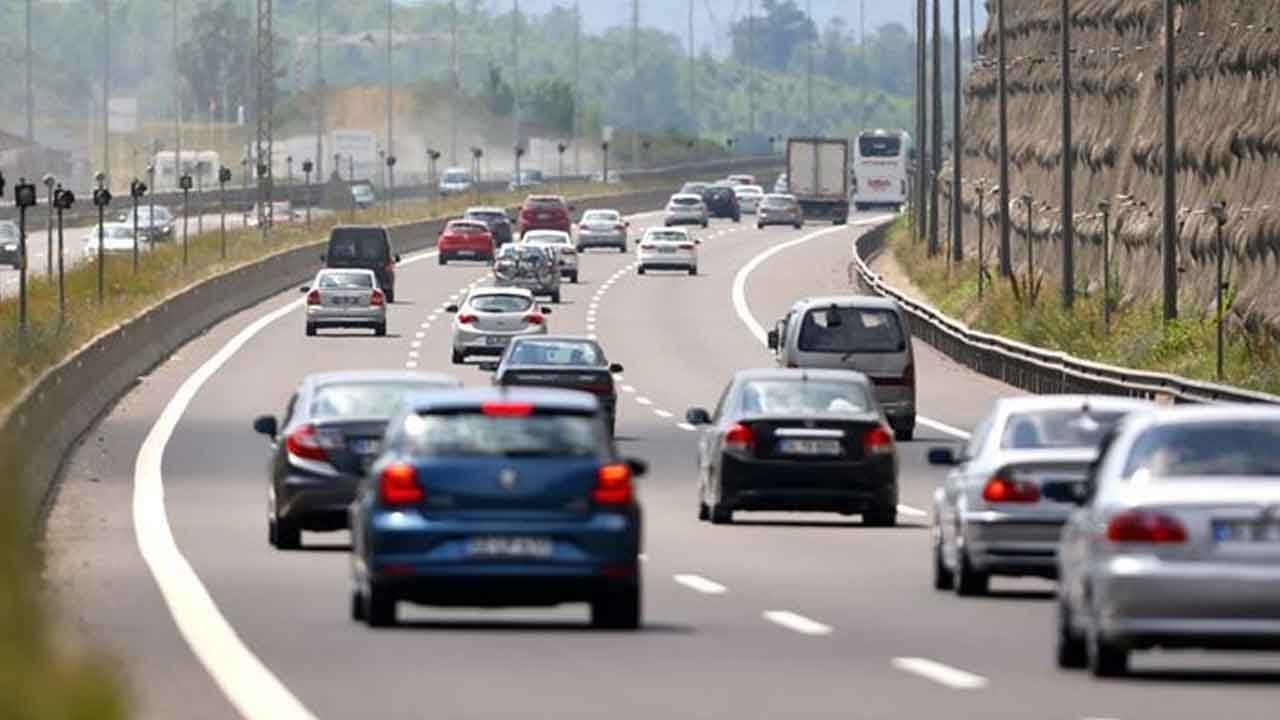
[397,257]
[488,366]
[451,308]
[616,368]
[546,310]
[304,289]
[266,425]
[945,457]
[772,339]
[697,416]
[639,468]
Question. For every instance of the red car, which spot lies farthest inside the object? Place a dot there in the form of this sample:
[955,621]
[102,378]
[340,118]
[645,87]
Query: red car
[465,240]
[544,212]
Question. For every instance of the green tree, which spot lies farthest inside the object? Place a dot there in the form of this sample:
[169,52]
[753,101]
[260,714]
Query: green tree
[213,60]
[549,104]
[498,95]
[779,31]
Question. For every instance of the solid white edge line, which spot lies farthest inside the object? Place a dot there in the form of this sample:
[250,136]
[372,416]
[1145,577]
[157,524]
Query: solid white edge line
[911,511]
[954,678]
[686,427]
[644,401]
[943,428]
[797,622]
[663,414]
[700,584]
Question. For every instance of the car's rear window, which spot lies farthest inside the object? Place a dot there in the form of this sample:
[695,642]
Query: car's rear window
[800,397]
[456,177]
[8,230]
[1196,451]
[685,201]
[487,217]
[345,281]
[693,187]
[549,238]
[600,216]
[360,400]
[1057,429]
[358,244]
[666,236]
[773,201]
[556,352]
[851,330]
[473,434]
[501,303]
[544,203]
[880,146]
[468,228]
[718,193]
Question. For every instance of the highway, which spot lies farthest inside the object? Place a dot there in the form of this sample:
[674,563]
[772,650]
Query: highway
[776,616]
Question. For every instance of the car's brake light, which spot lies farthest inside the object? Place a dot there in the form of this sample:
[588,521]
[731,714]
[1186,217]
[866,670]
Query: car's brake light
[877,441]
[398,485]
[533,319]
[568,251]
[1003,489]
[506,410]
[376,298]
[613,485]
[309,443]
[646,246]
[313,297]
[620,226]
[685,246]
[740,437]
[1140,526]
[466,319]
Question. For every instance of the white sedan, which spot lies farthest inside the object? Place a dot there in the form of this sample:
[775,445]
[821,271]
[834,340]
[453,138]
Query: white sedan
[749,197]
[668,249]
[563,245]
[490,317]
[117,239]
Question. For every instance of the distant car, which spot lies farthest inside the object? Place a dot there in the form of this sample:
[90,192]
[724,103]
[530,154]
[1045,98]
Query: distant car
[685,209]
[527,179]
[117,239]
[362,196]
[364,246]
[497,220]
[741,179]
[345,298]
[796,440]
[778,209]
[535,268]
[490,318]
[498,497]
[1177,540]
[281,213]
[614,178]
[465,240]
[545,212]
[1008,493]
[722,202]
[748,197]
[455,181]
[330,431]
[602,228]
[561,244]
[153,229]
[561,361]
[693,188]
[782,185]
[10,244]
[667,249]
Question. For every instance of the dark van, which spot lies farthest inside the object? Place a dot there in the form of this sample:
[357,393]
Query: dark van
[367,247]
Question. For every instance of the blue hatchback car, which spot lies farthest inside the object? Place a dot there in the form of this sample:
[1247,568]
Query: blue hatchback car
[498,497]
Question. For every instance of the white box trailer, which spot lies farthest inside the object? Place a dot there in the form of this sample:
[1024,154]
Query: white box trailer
[818,173]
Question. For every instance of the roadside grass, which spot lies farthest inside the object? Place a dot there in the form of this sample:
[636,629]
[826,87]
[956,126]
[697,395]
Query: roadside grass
[1138,337]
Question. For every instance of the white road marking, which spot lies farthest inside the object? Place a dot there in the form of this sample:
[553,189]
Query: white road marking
[686,426]
[644,401]
[911,512]
[420,335]
[662,414]
[943,427]
[953,678]
[592,336]
[411,365]
[413,354]
[701,584]
[628,389]
[415,344]
[425,325]
[797,622]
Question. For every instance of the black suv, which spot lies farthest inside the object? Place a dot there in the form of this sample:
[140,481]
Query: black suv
[367,247]
[722,202]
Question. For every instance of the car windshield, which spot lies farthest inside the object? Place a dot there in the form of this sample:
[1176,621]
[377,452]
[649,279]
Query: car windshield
[749,190]
[554,238]
[666,236]
[360,400]
[486,216]
[601,216]
[851,330]
[8,230]
[801,397]
[556,352]
[472,434]
[118,232]
[773,201]
[693,187]
[358,243]
[466,228]
[362,191]
[880,146]
[523,252]
[345,281]
[144,215]
[718,193]
[1057,429]
[535,203]
[1199,451]
[501,303]
[685,201]
[455,176]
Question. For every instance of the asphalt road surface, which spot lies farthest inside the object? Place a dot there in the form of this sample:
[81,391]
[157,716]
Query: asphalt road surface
[776,616]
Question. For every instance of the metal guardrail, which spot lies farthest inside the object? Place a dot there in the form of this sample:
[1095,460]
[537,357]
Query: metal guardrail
[1032,368]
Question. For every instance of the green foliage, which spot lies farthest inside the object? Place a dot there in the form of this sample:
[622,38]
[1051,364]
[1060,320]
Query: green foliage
[548,104]
[498,95]
[772,37]
[215,60]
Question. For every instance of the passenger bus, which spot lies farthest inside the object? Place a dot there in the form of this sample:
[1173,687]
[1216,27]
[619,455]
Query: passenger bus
[880,169]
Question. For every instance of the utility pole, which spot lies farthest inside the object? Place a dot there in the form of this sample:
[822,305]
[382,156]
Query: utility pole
[1006,244]
[936,151]
[635,84]
[177,100]
[106,90]
[957,145]
[973,33]
[31,96]
[453,78]
[390,103]
[577,86]
[693,81]
[808,78]
[265,69]
[320,92]
[922,126]
[515,48]
[862,26]
[1068,160]
[1170,167]
[751,68]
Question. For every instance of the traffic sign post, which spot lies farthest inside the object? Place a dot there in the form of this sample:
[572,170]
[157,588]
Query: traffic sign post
[137,189]
[184,183]
[101,200]
[62,200]
[224,177]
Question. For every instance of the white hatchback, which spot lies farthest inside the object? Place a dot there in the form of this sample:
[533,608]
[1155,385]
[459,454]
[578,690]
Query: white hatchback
[748,197]
[562,243]
[490,317]
[667,248]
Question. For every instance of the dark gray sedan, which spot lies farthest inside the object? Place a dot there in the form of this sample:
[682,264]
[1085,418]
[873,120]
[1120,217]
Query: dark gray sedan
[10,244]
[331,429]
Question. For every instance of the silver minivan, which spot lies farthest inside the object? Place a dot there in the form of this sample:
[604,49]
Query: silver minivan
[855,332]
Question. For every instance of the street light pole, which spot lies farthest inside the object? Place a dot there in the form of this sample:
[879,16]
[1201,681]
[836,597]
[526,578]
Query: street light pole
[1031,272]
[1105,208]
[934,245]
[982,222]
[1068,161]
[101,198]
[1170,259]
[922,126]
[1219,211]
[48,185]
[1006,241]
[63,199]
[957,145]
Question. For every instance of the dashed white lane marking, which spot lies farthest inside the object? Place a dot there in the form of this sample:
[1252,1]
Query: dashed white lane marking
[943,428]
[415,344]
[421,335]
[797,622]
[686,427]
[425,325]
[953,678]
[413,354]
[410,365]
[701,584]
[662,414]
[644,401]
[628,389]
[911,512]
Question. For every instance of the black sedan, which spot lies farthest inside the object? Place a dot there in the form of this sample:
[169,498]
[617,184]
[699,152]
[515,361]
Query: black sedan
[497,220]
[560,361]
[797,440]
[332,429]
[722,202]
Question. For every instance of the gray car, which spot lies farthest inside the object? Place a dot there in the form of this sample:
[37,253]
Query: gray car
[1177,541]
[348,297]
[1008,493]
[535,268]
[10,244]
[776,209]
[331,429]
[686,209]
[602,228]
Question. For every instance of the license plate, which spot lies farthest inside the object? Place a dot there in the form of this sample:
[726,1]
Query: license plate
[796,446]
[544,216]
[365,446]
[466,253]
[509,547]
[666,250]
[344,301]
[1246,531]
[494,340]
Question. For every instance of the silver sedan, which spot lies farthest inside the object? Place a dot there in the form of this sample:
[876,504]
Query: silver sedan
[1008,493]
[1177,542]
[346,297]
[602,228]
[486,322]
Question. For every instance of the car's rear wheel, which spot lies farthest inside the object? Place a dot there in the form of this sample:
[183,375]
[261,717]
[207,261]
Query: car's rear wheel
[574,277]
[704,224]
[617,609]
[1073,653]
[284,534]
[1106,659]
[970,582]
[799,225]
[357,606]
[943,578]
[380,330]
[391,295]
[622,248]
[379,607]
[759,226]
[441,259]
[693,270]
[640,270]
[884,516]
[704,510]
[457,357]
[904,433]
[311,329]
[555,297]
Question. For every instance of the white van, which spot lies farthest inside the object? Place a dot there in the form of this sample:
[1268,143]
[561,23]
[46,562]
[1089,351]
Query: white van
[880,174]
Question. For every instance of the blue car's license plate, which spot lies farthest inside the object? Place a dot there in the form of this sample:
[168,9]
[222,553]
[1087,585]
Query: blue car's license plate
[365,446]
[509,546]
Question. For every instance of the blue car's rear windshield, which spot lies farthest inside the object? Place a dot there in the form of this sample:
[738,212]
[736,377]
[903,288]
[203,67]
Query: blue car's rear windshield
[479,435]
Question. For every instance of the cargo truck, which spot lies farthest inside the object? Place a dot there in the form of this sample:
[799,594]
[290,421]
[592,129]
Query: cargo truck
[818,173]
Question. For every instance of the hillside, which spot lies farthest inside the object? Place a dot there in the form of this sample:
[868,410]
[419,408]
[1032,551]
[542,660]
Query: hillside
[1228,143]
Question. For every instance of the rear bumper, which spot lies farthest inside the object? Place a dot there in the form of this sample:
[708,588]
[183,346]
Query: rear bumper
[808,486]
[363,317]
[683,219]
[1006,544]
[536,288]
[677,260]
[316,503]
[588,240]
[475,342]
[775,219]
[466,252]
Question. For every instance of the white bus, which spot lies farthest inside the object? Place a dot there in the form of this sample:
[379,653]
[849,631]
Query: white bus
[880,174]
